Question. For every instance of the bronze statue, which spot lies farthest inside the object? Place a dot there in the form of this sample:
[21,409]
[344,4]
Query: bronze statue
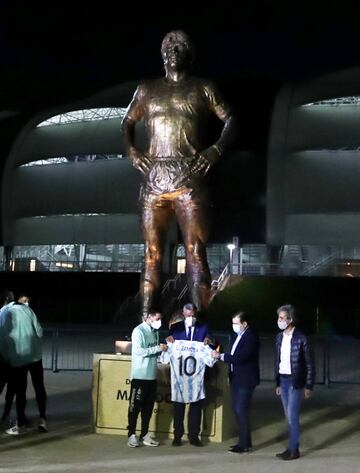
[175,110]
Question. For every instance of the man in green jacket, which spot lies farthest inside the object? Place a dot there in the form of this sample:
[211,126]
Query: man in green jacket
[23,342]
[144,353]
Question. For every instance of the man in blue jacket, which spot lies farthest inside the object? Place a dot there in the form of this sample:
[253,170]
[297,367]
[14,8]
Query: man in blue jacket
[294,373]
[243,361]
[188,329]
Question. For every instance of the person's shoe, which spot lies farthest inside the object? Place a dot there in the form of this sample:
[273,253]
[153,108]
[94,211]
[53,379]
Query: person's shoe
[291,455]
[239,449]
[149,441]
[176,442]
[16,430]
[133,441]
[42,427]
[196,442]
[285,452]
[237,444]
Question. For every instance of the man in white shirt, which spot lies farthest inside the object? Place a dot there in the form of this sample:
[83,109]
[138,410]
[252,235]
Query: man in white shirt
[294,373]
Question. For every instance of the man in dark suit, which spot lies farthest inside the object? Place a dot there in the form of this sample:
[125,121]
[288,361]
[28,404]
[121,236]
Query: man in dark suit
[243,361]
[188,329]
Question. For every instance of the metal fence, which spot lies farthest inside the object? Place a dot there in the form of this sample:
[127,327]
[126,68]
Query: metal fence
[336,358]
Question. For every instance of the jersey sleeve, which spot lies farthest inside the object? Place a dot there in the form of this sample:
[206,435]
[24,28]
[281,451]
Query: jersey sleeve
[135,110]
[208,359]
[165,356]
[216,102]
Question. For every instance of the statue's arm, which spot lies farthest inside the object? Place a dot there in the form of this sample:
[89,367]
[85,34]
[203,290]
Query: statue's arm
[134,114]
[227,137]
[209,156]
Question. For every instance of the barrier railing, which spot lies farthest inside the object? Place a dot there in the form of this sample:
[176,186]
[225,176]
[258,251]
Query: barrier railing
[72,349]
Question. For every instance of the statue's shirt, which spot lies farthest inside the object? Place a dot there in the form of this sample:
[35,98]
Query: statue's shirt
[175,116]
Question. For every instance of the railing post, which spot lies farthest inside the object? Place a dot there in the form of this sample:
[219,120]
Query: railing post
[55,351]
[326,364]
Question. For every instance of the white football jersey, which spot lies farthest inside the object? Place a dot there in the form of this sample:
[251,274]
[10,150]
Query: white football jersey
[188,360]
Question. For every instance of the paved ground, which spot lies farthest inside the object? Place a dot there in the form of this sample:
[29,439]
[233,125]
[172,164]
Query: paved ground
[330,439]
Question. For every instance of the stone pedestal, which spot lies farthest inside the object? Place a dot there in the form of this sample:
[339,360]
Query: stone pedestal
[111,391]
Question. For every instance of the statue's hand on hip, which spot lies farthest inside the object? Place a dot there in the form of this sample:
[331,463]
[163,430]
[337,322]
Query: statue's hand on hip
[205,160]
[200,166]
[140,161]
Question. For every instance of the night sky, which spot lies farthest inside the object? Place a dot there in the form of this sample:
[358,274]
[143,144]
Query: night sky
[64,51]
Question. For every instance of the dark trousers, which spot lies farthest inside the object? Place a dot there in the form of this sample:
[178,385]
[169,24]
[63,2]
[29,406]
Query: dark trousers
[9,398]
[18,383]
[194,419]
[142,399]
[241,400]
[10,389]
[4,374]
[9,395]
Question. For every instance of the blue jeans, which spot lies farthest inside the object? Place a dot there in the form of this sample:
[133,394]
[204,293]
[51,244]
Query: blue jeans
[291,400]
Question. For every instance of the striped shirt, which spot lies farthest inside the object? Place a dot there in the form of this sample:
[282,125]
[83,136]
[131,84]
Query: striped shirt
[188,360]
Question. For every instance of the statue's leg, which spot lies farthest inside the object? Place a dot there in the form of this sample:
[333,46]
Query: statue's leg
[156,215]
[191,214]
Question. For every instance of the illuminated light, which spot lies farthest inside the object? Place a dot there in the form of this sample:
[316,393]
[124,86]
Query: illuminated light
[32,265]
[71,215]
[61,264]
[70,159]
[181,266]
[352,100]
[231,247]
[88,115]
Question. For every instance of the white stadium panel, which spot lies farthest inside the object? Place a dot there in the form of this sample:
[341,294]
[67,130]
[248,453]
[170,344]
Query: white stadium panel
[91,229]
[313,192]
[89,201]
[95,186]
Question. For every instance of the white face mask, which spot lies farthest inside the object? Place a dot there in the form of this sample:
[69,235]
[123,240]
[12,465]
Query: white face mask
[26,303]
[239,329]
[156,324]
[190,321]
[282,324]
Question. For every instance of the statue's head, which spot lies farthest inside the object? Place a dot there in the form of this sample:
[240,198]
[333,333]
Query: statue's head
[177,49]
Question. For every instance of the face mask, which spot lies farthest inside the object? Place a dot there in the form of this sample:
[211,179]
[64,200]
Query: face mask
[239,329]
[26,303]
[156,324]
[282,324]
[190,321]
